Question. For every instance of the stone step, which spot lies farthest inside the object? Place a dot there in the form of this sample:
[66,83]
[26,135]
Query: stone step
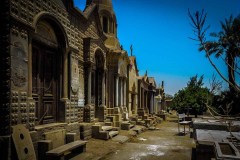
[137,129]
[131,126]
[107,128]
[113,133]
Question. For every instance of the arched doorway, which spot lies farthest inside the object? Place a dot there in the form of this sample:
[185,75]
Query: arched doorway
[47,54]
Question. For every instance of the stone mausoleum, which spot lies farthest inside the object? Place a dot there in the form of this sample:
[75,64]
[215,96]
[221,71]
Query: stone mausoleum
[61,66]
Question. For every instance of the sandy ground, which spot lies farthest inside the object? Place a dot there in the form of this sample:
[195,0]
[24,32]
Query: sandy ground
[162,143]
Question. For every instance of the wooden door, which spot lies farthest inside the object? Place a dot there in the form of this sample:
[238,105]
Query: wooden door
[44,83]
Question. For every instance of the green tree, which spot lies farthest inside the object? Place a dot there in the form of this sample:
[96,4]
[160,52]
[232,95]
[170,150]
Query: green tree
[193,97]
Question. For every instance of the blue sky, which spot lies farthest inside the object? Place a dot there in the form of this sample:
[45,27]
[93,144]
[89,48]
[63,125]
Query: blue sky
[159,31]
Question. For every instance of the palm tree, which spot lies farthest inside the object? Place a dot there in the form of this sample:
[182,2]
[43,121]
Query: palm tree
[228,44]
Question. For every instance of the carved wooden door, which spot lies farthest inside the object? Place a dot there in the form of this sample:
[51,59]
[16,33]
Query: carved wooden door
[44,83]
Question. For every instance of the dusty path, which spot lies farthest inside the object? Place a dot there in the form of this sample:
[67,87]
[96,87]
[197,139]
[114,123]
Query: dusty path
[163,143]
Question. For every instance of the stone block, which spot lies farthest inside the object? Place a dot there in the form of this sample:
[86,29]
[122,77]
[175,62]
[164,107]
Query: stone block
[57,137]
[110,110]
[43,147]
[118,117]
[95,130]
[145,117]
[125,126]
[117,124]
[113,133]
[23,142]
[5,145]
[103,135]
[86,137]
[112,118]
[85,126]
[108,123]
[72,127]
[125,116]
[86,133]
[34,136]
[124,109]
[71,137]
[117,110]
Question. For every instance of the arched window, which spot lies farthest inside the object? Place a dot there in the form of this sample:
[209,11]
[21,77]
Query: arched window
[105,24]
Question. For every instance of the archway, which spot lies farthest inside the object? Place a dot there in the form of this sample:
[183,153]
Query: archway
[48,44]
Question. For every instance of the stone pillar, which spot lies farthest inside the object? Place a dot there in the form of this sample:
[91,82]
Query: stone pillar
[103,88]
[143,98]
[146,99]
[89,85]
[119,92]
[65,75]
[116,90]
[122,92]
[125,92]
[29,67]
[151,104]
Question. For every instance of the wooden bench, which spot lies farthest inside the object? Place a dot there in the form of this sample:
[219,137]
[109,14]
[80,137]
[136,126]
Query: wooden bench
[67,151]
[181,121]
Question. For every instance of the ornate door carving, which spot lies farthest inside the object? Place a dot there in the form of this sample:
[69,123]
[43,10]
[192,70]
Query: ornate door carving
[44,83]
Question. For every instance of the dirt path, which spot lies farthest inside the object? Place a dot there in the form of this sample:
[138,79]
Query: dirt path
[164,143]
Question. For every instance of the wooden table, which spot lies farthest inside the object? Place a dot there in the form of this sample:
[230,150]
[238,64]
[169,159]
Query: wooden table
[184,123]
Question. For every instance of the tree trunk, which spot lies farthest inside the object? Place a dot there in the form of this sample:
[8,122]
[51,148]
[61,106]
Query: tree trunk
[231,67]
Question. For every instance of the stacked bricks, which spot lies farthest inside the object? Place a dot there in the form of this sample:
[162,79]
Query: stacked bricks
[102,113]
[118,117]
[89,113]
[81,114]
[85,131]
[73,132]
